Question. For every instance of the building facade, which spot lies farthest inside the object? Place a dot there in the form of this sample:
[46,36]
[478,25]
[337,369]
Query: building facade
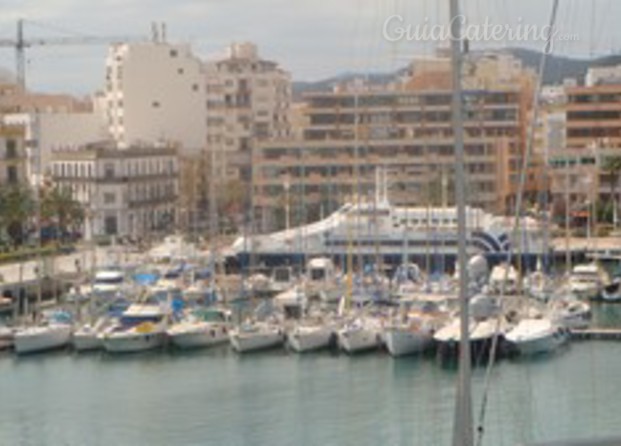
[155,92]
[12,156]
[354,133]
[248,101]
[129,192]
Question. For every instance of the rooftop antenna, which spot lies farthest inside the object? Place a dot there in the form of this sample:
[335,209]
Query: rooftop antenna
[163,31]
[154,32]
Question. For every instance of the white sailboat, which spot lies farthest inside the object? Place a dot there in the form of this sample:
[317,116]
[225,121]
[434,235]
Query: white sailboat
[253,336]
[201,328]
[359,335]
[310,336]
[53,333]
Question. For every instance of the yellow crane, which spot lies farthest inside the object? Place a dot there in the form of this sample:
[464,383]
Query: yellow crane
[21,43]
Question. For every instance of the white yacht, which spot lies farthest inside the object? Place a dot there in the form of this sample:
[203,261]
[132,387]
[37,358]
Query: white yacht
[54,333]
[201,328]
[533,336]
[570,312]
[253,336]
[481,337]
[108,281]
[587,281]
[362,334]
[141,327]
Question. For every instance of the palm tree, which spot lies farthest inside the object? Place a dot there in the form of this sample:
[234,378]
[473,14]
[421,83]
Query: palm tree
[612,167]
[58,206]
[17,205]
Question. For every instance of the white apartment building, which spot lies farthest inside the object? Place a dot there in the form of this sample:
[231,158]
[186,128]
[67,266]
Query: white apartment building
[248,101]
[155,92]
[130,192]
[49,131]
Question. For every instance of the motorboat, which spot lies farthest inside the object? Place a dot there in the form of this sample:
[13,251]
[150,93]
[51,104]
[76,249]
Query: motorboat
[570,312]
[612,292]
[587,281]
[482,336]
[204,327]
[533,336]
[141,327]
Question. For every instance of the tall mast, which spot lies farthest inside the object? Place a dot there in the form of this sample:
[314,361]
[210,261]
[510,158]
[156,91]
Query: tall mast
[462,429]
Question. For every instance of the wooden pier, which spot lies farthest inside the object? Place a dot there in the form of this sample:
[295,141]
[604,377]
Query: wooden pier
[609,334]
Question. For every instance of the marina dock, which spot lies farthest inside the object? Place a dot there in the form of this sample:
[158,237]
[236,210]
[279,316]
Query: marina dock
[606,334]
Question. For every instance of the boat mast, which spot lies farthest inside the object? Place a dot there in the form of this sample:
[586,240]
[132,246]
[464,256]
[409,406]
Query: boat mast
[462,428]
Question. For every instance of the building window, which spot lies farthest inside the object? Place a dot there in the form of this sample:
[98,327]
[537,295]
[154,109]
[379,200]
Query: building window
[155,104]
[180,70]
[109,170]
[11,175]
[110,225]
[173,53]
[11,149]
[109,198]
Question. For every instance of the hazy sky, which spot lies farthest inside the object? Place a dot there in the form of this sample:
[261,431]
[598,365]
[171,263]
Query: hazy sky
[311,38]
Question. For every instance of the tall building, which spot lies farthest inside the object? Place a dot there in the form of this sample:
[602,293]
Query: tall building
[248,101]
[353,132]
[129,192]
[593,115]
[12,156]
[155,92]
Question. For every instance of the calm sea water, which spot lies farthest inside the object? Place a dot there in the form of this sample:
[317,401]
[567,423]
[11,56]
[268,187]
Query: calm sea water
[216,397]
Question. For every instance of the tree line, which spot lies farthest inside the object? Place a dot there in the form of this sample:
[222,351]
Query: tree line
[61,216]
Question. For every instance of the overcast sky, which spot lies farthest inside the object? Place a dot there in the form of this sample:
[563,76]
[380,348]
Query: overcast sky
[311,38]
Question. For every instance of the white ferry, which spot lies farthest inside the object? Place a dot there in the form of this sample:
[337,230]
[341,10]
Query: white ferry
[424,235]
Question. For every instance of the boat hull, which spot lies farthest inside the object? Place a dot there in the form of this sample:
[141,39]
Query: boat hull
[86,341]
[545,343]
[199,338]
[358,341]
[248,342]
[41,339]
[401,342]
[133,342]
[310,340]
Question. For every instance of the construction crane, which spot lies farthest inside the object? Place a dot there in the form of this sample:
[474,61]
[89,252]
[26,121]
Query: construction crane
[20,44]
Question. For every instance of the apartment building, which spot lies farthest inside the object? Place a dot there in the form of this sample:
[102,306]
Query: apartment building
[129,192]
[154,92]
[353,133]
[12,156]
[248,102]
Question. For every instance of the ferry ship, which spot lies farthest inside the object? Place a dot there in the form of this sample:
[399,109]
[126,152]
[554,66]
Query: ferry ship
[373,232]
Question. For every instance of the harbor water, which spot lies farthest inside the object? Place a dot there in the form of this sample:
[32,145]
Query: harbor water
[216,397]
